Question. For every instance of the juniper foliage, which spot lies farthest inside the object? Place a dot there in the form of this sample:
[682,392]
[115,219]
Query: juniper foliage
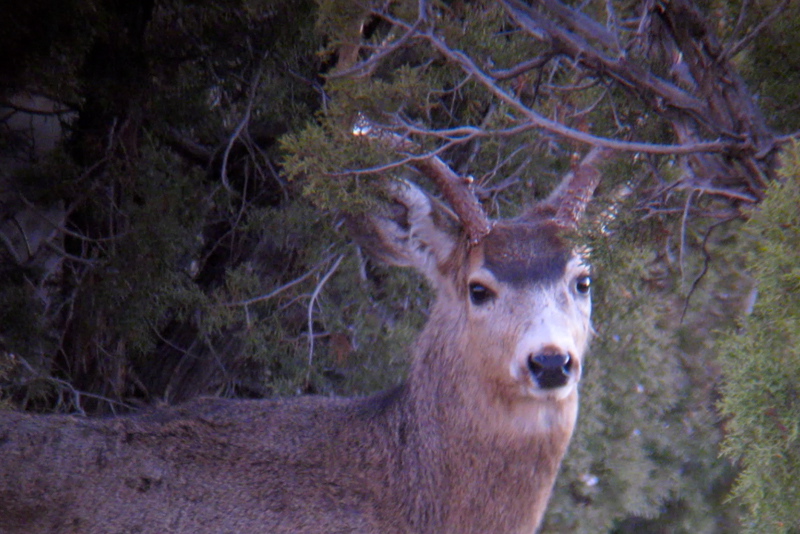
[761,361]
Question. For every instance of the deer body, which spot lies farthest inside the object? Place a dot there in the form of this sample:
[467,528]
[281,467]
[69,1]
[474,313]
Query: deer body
[471,443]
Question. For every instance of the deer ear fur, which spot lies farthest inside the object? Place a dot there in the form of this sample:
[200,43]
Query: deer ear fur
[418,231]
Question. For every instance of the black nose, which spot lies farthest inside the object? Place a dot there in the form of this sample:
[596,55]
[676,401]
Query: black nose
[550,370]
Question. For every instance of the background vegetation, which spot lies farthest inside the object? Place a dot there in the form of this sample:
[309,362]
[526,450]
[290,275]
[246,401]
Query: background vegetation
[173,175]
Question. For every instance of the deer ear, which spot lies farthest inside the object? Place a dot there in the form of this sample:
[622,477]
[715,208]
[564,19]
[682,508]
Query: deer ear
[418,231]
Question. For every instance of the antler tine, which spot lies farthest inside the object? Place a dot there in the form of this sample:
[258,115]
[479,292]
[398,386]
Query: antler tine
[457,190]
[577,187]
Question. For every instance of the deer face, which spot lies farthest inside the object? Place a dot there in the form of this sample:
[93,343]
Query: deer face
[514,308]
[528,311]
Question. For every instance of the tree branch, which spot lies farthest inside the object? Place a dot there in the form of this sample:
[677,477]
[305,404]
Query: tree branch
[313,300]
[621,69]
[539,121]
[747,39]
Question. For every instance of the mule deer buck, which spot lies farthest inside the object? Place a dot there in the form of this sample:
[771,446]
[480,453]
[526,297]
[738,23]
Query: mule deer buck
[470,443]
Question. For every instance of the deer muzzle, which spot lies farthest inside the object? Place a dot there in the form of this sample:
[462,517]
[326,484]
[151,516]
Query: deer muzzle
[550,370]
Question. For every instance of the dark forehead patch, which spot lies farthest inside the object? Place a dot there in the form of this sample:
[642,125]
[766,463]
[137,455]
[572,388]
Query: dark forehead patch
[524,253]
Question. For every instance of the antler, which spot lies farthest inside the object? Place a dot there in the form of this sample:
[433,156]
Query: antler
[577,187]
[457,190]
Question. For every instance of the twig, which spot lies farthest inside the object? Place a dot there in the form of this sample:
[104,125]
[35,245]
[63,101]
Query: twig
[239,128]
[61,226]
[314,296]
[71,257]
[365,68]
[706,263]
[76,394]
[275,291]
[741,18]
[521,68]
[613,21]
[684,221]
[747,39]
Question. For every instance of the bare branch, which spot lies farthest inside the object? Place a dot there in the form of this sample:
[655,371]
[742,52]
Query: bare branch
[579,23]
[747,39]
[63,385]
[275,292]
[521,68]
[706,263]
[244,123]
[57,107]
[684,224]
[189,148]
[314,296]
[742,16]
[539,121]
[366,67]
[620,68]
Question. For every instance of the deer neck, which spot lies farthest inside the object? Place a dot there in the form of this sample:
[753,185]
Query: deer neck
[480,442]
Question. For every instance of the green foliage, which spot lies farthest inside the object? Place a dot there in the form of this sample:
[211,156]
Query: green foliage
[321,156]
[762,364]
[141,282]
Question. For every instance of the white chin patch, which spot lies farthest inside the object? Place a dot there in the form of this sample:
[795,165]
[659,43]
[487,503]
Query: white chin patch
[553,394]
[557,393]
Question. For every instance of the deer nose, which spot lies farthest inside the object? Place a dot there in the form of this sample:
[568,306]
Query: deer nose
[550,370]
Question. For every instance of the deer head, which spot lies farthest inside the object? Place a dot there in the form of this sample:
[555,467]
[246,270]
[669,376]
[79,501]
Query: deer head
[511,320]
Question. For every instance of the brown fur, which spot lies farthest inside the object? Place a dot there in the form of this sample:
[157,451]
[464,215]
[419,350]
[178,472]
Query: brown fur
[459,448]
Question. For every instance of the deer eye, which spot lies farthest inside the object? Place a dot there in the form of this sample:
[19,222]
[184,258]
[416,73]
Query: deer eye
[583,284]
[479,294]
